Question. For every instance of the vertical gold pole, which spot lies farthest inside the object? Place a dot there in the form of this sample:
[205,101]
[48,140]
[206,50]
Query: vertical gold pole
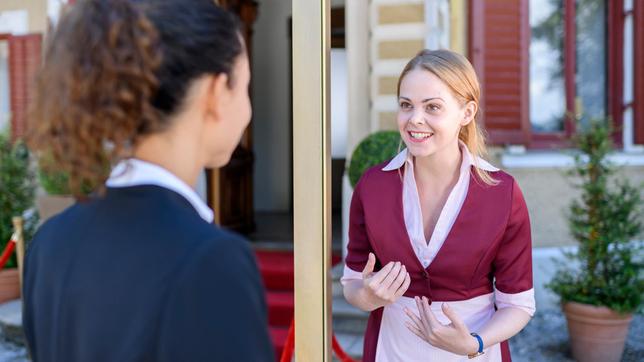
[312,179]
[19,238]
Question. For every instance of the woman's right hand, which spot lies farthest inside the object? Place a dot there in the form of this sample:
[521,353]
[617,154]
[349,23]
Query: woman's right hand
[385,286]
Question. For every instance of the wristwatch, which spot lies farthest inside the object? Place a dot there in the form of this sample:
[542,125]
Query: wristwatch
[480,351]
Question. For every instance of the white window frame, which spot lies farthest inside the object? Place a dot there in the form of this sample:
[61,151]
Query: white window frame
[437,21]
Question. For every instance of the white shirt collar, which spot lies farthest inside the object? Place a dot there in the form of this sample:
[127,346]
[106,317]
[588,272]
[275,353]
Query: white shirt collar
[468,160]
[134,172]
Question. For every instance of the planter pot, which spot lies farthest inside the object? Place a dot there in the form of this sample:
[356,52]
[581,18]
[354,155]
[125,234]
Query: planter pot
[50,205]
[9,285]
[597,334]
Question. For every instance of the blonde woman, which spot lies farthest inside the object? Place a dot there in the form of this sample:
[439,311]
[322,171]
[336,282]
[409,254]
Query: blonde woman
[439,239]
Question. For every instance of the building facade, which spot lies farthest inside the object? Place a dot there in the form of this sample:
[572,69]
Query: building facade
[540,63]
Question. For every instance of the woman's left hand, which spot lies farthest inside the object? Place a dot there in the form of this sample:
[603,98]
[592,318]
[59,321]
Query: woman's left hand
[454,337]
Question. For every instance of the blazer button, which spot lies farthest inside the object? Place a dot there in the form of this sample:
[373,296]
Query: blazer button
[425,274]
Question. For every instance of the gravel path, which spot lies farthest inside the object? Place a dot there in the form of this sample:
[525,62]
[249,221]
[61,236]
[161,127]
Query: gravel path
[546,339]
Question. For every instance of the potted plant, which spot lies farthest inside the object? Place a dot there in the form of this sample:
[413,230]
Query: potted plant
[17,191]
[602,283]
[56,185]
[374,149]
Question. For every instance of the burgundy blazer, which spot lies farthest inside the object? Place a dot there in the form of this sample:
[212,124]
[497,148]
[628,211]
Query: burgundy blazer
[489,243]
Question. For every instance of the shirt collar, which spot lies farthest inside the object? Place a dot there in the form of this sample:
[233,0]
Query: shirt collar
[134,172]
[468,160]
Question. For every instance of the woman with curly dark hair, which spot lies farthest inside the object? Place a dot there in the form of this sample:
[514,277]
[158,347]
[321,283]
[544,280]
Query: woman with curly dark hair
[135,98]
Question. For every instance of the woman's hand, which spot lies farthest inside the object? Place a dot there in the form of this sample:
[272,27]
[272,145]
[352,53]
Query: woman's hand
[385,286]
[454,337]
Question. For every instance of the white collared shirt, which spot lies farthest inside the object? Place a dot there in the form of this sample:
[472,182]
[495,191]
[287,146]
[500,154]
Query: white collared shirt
[135,172]
[426,251]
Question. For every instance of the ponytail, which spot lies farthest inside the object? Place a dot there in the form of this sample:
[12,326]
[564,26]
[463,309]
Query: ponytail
[94,90]
[114,71]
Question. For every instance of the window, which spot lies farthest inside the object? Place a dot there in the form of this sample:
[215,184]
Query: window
[568,65]
[547,85]
[540,62]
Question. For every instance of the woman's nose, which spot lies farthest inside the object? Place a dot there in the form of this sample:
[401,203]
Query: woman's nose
[417,118]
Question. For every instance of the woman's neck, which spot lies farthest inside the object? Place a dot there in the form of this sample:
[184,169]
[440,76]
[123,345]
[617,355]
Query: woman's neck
[173,154]
[440,170]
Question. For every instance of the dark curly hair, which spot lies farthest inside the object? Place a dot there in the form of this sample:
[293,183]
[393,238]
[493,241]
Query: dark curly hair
[114,71]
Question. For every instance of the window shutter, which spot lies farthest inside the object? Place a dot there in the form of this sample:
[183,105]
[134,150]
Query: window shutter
[499,45]
[24,62]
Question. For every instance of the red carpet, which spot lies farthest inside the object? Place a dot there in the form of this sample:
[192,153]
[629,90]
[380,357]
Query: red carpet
[277,272]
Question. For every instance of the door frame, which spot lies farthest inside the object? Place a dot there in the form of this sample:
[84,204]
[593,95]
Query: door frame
[312,178]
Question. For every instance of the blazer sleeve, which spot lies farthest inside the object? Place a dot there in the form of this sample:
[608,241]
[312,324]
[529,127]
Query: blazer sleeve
[513,262]
[359,246]
[216,309]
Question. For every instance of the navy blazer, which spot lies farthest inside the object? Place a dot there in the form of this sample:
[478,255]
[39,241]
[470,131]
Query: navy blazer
[137,275]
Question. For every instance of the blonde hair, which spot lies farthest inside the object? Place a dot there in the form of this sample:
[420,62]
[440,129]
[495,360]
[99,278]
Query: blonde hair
[459,75]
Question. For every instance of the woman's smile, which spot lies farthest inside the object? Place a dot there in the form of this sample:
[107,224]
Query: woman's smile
[419,137]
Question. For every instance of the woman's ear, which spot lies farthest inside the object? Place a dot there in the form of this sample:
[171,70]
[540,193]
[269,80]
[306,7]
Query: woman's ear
[216,96]
[469,113]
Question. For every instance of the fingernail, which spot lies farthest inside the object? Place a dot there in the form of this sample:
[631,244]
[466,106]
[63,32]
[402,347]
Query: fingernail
[446,305]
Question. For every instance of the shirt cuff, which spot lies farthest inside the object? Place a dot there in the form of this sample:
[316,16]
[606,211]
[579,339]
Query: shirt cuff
[349,275]
[523,300]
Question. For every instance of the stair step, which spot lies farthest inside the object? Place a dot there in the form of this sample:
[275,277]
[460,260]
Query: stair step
[342,308]
[347,318]
[278,336]
[262,245]
[277,269]
[281,306]
[336,274]
[351,343]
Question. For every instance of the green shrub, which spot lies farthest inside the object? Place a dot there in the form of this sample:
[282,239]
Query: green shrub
[607,269]
[374,149]
[17,191]
[54,181]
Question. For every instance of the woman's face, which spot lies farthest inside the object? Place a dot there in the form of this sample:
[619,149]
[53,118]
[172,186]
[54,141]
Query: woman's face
[234,114]
[429,116]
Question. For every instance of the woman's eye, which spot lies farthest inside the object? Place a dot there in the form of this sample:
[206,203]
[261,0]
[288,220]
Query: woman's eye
[405,105]
[433,107]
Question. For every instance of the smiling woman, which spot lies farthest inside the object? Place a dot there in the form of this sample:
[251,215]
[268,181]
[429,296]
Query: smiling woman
[433,254]
[452,83]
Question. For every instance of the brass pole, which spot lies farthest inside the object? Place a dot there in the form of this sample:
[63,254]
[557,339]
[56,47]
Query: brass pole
[19,238]
[312,179]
